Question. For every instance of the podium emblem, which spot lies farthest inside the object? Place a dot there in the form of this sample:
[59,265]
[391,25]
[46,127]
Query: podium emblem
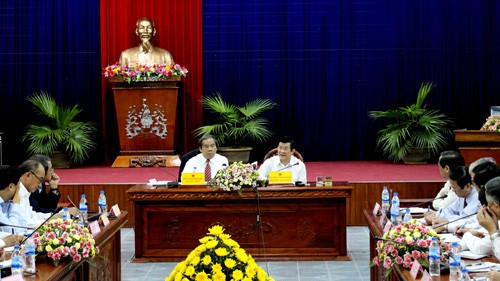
[144,121]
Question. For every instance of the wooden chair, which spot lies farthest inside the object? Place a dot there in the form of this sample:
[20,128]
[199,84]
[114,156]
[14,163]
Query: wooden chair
[274,152]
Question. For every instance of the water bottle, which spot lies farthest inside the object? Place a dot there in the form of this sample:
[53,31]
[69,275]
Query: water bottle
[65,214]
[395,218]
[455,260]
[83,209]
[17,261]
[103,207]
[434,257]
[386,204]
[29,256]
[465,274]
[407,216]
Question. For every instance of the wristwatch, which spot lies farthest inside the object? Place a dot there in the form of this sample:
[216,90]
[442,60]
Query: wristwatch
[55,191]
[494,235]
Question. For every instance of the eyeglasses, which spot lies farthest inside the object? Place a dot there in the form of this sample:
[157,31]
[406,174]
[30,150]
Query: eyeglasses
[38,178]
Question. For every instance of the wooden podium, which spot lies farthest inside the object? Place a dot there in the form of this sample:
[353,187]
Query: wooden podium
[474,144]
[146,113]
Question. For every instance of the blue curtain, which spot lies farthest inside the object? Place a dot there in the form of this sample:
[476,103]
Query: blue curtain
[48,46]
[328,62]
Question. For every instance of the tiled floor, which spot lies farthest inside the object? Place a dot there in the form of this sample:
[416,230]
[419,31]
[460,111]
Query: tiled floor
[356,269]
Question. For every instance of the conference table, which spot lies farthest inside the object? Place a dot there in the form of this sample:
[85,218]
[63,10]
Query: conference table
[280,222]
[398,273]
[108,261]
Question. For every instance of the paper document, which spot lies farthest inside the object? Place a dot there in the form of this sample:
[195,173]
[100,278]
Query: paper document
[450,237]
[482,266]
[471,256]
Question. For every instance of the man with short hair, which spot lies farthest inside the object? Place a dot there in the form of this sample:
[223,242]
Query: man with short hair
[10,212]
[145,53]
[284,161]
[448,160]
[208,160]
[41,200]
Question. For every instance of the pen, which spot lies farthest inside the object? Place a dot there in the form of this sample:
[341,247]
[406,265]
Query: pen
[438,213]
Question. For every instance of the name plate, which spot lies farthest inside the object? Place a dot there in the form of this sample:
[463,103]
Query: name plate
[94,228]
[115,210]
[104,219]
[193,179]
[376,209]
[280,177]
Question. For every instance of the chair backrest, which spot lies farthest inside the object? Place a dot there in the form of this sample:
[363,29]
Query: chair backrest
[274,152]
[185,158]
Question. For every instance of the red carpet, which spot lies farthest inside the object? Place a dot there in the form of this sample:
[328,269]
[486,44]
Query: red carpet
[352,171]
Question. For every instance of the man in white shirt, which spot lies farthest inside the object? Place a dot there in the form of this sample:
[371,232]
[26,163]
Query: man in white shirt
[284,161]
[448,160]
[208,161]
[467,205]
[10,210]
[32,174]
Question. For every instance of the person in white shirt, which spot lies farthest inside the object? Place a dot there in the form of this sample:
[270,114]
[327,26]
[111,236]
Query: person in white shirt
[10,210]
[466,206]
[208,161]
[448,160]
[284,161]
[32,174]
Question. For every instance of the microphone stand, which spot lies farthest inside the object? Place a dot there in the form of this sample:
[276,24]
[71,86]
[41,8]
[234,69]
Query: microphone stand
[429,201]
[443,224]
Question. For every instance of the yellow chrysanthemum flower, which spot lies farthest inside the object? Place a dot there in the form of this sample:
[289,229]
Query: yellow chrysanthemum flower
[206,239]
[48,248]
[189,270]
[77,246]
[242,256]
[224,236]
[212,244]
[206,260]
[229,242]
[261,275]
[219,276]
[195,261]
[216,230]
[237,275]
[230,263]
[246,279]
[200,249]
[178,276]
[216,267]
[202,276]
[221,252]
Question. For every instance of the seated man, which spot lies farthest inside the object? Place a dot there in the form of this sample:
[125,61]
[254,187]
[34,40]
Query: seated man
[284,161]
[208,161]
[11,210]
[42,200]
[448,160]
[466,206]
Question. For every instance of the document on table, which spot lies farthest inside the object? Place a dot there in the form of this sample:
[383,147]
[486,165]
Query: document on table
[471,256]
[450,237]
[482,266]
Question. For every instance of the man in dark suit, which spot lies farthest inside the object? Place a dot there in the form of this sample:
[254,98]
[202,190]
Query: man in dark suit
[43,200]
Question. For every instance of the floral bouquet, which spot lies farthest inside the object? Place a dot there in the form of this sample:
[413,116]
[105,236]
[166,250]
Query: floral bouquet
[134,72]
[492,123]
[235,177]
[405,244]
[218,258]
[65,238]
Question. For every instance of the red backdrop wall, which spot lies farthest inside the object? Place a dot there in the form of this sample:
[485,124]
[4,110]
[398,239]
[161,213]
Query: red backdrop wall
[178,30]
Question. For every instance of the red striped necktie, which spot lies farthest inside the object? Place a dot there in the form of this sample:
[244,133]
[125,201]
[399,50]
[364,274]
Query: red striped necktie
[208,171]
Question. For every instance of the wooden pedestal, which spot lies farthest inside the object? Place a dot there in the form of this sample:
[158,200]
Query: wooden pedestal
[474,144]
[146,114]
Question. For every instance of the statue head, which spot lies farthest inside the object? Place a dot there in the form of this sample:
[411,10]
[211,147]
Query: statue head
[145,28]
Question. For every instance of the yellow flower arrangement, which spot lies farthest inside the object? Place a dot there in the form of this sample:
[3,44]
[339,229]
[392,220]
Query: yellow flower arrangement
[218,258]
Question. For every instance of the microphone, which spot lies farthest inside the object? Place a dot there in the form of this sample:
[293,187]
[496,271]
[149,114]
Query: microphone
[59,208]
[288,166]
[426,202]
[16,226]
[254,165]
[171,184]
[461,218]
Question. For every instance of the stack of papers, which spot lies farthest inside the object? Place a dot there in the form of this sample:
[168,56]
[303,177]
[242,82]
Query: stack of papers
[450,237]
[482,266]
[471,256]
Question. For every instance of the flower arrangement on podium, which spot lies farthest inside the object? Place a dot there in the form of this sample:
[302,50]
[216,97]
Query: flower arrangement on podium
[218,258]
[406,243]
[136,72]
[492,123]
[58,239]
[235,177]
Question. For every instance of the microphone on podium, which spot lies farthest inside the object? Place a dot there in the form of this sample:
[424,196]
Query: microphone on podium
[288,166]
[171,184]
[426,202]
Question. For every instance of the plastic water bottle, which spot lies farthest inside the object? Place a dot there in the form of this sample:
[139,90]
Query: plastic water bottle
[455,260]
[83,209]
[29,256]
[17,261]
[407,216]
[65,214]
[103,207]
[434,257]
[395,218]
[386,204]
[465,274]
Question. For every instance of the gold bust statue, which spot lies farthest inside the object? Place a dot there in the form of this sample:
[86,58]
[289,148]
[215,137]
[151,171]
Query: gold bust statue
[145,53]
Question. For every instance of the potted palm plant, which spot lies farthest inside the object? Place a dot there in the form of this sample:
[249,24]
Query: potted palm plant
[237,125]
[63,135]
[413,131]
